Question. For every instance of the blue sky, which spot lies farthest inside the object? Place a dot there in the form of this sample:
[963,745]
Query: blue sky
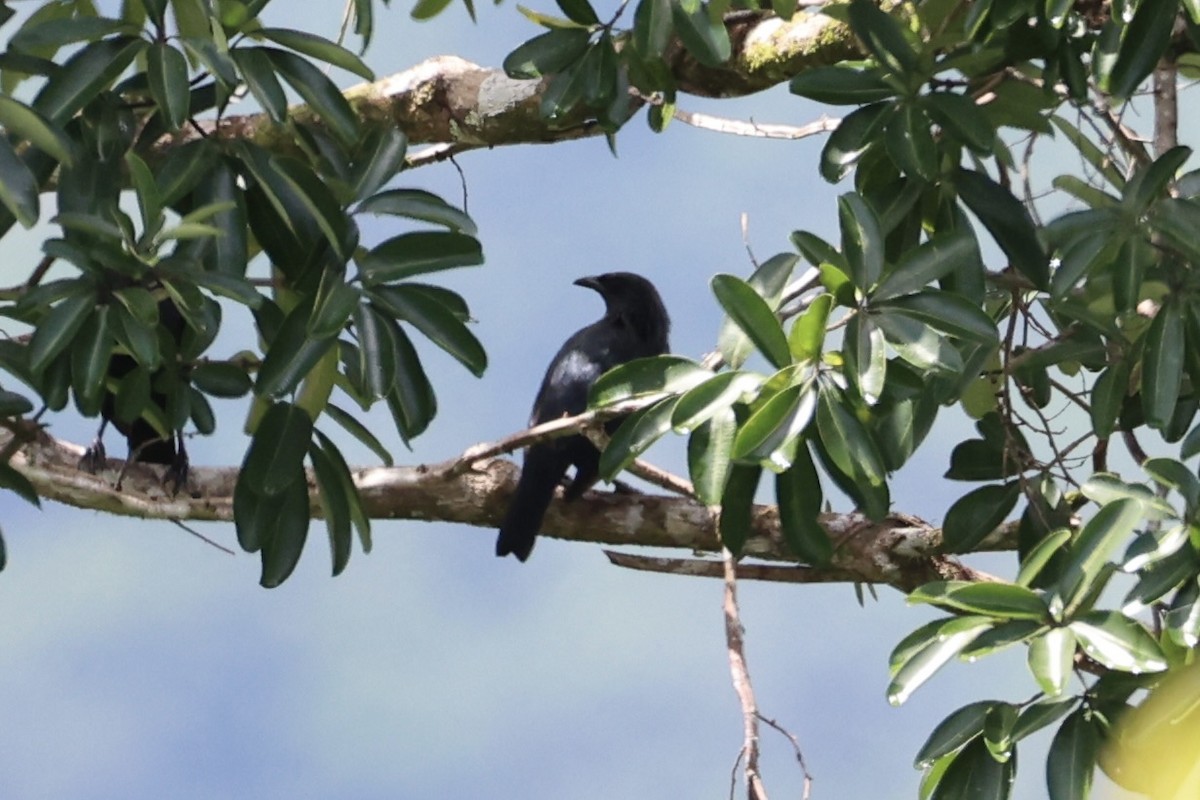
[135,661]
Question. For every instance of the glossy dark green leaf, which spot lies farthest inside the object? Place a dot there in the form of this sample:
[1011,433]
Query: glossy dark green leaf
[918,343]
[769,431]
[755,318]
[711,397]
[1039,556]
[291,356]
[13,404]
[923,265]
[31,125]
[959,116]
[276,454]
[1072,758]
[90,355]
[1040,714]
[318,91]
[85,74]
[737,506]
[437,322]
[55,33]
[857,131]
[953,732]
[921,662]
[220,379]
[1117,642]
[1095,543]
[167,71]
[703,34]
[259,73]
[547,53]
[418,253]
[637,432]
[944,311]
[865,352]
[419,204]
[58,329]
[359,431]
[840,85]
[976,514]
[994,599]
[411,401]
[769,280]
[289,530]
[1145,38]
[18,187]
[910,144]
[214,57]
[380,157]
[652,27]
[18,484]
[1176,475]
[997,730]
[305,188]
[1008,221]
[1162,365]
[1051,660]
[975,774]
[335,506]
[377,358]
[862,240]
[850,448]
[1002,635]
[580,11]
[427,9]
[882,36]
[644,377]
[1108,397]
[709,449]
[319,48]
[358,517]
[335,302]
[800,497]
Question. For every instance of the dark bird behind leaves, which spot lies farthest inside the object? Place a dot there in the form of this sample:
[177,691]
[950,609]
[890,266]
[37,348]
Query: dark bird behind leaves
[635,325]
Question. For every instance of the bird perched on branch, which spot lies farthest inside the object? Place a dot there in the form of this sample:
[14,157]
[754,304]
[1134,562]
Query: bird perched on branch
[635,325]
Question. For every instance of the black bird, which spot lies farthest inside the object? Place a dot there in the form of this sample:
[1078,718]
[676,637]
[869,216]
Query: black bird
[146,444]
[635,325]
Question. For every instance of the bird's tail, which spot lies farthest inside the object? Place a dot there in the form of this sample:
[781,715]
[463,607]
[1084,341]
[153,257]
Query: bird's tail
[539,476]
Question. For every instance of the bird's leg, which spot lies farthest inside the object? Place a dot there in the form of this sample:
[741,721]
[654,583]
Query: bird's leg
[177,471]
[95,457]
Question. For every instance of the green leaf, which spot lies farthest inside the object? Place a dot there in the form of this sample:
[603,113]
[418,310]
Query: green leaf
[16,482]
[377,358]
[1162,365]
[751,313]
[319,48]
[857,131]
[214,57]
[866,357]
[547,54]
[437,322]
[652,27]
[58,329]
[362,523]
[952,733]
[1108,397]
[220,379]
[852,451]
[841,85]
[703,34]
[959,116]
[580,11]
[807,337]
[418,204]
[259,73]
[944,311]
[1175,475]
[90,355]
[1143,42]
[1118,642]
[883,37]
[18,186]
[910,143]
[862,240]
[997,730]
[84,75]
[709,449]
[427,9]
[1100,160]
[637,432]
[276,453]
[319,92]
[1150,183]
[799,495]
[411,254]
[994,599]
[715,395]
[769,431]
[411,401]
[918,343]
[307,189]
[976,514]
[1040,714]
[25,122]
[167,71]
[975,774]
[922,661]
[335,506]
[380,157]
[920,266]
[644,377]
[1008,221]
[55,33]
[1072,758]
[288,519]
[737,506]
[291,356]
[1038,556]
[1098,538]
[1002,635]
[334,303]
[1051,660]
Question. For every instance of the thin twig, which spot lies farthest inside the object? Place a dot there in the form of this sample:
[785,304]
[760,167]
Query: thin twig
[763,130]
[808,779]
[740,674]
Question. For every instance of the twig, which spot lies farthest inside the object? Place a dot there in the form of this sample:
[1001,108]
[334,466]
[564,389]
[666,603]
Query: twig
[799,753]
[702,568]
[762,130]
[1166,107]
[740,674]
[204,538]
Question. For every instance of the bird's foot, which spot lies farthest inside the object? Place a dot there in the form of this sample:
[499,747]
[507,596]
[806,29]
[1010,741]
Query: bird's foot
[94,459]
[176,474]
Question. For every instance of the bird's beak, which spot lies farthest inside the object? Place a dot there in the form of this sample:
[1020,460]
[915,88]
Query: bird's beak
[591,282]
